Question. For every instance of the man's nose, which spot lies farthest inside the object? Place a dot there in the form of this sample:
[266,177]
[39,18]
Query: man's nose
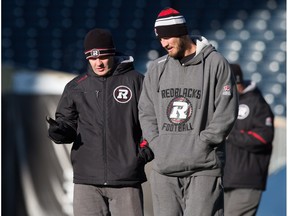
[164,42]
[98,61]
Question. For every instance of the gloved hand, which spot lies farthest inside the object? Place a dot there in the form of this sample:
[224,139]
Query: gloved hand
[60,132]
[145,153]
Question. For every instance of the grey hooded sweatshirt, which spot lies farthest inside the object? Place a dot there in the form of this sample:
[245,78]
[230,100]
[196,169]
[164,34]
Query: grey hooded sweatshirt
[186,112]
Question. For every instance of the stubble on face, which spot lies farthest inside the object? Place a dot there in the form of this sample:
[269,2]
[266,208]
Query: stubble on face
[177,48]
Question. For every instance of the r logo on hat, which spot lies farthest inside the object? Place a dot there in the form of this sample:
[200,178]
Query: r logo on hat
[95,53]
[99,42]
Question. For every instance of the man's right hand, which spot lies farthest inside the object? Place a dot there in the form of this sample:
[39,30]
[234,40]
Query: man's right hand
[51,121]
[60,132]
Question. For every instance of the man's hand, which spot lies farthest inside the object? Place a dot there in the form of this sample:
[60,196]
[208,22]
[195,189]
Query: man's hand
[60,132]
[51,121]
[145,153]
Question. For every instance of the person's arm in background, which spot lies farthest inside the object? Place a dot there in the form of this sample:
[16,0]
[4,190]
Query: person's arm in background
[260,136]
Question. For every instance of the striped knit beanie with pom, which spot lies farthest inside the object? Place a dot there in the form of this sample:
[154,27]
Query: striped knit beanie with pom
[170,23]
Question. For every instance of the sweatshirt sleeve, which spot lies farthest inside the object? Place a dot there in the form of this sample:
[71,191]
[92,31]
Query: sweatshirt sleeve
[147,115]
[225,105]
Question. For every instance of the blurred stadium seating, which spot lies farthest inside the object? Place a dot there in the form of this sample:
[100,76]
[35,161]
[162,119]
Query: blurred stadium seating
[49,34]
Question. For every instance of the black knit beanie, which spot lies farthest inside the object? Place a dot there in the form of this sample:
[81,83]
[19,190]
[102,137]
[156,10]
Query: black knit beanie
[98,42]
[170,23]
[236,70]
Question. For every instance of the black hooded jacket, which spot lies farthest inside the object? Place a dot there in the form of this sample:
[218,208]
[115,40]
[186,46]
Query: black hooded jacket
[249,145]
[103,111]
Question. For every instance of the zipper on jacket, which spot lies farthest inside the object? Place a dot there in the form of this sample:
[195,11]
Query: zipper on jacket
[104,131]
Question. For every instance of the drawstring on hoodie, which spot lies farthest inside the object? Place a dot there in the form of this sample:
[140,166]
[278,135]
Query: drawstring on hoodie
[162,71]
[202,78]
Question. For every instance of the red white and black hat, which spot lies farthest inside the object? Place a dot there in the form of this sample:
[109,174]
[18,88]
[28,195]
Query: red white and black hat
[98,42]
[170,23]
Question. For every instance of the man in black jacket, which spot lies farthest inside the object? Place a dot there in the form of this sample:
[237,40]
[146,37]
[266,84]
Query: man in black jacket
[248,150]
[98,113]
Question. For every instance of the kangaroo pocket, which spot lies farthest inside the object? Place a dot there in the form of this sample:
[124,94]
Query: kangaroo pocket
[176,154]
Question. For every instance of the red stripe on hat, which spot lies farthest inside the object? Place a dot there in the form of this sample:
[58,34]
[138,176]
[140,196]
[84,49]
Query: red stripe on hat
[169,11]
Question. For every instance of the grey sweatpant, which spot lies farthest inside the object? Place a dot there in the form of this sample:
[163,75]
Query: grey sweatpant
[91,200]
[242,201]
[186,196]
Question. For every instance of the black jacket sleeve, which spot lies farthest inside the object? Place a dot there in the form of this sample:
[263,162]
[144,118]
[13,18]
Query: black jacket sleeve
[257,133]
[60,132]
[64,129]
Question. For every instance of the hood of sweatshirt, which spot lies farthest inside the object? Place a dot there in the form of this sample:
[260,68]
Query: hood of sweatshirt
[250,86]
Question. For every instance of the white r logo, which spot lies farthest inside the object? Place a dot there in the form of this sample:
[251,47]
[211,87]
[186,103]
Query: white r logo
[122,94]
[179,110]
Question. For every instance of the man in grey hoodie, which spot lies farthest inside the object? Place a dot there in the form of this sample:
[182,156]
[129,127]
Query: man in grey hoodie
[187,107]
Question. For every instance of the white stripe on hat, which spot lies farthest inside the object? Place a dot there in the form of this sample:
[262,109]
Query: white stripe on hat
[170,21]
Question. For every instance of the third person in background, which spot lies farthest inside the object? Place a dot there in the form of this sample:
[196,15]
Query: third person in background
[248,150]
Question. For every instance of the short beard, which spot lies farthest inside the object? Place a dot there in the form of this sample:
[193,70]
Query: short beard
[182,47]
